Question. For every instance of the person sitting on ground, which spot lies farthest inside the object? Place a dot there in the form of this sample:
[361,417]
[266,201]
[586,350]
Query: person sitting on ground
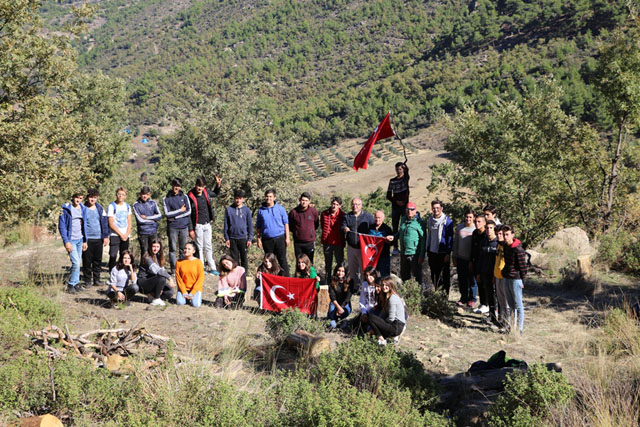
[304,269]
[270,266]
[122,281]
[339,295]
[391,320]
[368,298]
[153,279]
[232,284]
[189,277]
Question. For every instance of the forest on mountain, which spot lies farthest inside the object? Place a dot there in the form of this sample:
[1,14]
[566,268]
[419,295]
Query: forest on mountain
[326,70]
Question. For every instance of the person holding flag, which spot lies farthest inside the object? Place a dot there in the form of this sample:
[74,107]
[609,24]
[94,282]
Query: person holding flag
[410,238]
[380,229]
[398,195]
[355,223]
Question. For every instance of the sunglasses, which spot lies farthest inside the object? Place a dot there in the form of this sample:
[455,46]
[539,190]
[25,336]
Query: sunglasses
[411,209]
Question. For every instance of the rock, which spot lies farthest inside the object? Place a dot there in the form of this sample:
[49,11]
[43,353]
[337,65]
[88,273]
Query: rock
[572,239]
[538,258]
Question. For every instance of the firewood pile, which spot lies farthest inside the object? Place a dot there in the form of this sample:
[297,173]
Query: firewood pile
[106,348]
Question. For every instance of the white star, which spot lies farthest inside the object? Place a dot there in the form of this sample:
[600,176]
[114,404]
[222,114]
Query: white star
[291,296]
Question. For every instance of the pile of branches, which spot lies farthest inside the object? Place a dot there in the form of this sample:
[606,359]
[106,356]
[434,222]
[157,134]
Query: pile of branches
[104,347]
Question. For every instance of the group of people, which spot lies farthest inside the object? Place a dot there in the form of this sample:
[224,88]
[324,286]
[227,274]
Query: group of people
[88,227]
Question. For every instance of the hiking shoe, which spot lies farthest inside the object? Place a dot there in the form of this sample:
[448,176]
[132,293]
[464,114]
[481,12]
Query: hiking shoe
[382,341]
[158,302]
[484,309]
[471,304]
[396,340]
[460,304]
[71,290]
[215,272]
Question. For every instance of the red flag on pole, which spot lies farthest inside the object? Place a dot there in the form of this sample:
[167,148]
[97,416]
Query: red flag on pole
[383,131]
[279,293]
[370,249]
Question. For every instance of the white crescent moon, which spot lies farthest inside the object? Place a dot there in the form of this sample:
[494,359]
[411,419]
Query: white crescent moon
[273,294]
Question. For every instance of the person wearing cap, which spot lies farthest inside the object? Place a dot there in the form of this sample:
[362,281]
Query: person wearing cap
[410,237]
[177,209]
[238,229]
[303,221]
[202,216]
[147,220]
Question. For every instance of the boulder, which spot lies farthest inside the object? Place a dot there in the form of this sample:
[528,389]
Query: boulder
[573,240]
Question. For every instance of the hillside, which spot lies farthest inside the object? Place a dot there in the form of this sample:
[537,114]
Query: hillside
[326,70]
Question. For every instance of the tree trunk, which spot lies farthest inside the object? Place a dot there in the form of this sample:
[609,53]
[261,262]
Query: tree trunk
[41,421]
[304,342]
[613,178]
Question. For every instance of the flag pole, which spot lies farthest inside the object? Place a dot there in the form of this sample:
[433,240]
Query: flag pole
[404,150]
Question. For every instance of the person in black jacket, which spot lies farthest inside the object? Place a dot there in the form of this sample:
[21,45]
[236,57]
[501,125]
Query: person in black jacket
[340,296]
[355,223]
[177,209]
[201,219]
[486,264]
[153,279]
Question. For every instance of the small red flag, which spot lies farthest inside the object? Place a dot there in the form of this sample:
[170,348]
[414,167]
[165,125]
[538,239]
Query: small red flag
[383,131]
[279,293]
[370,249]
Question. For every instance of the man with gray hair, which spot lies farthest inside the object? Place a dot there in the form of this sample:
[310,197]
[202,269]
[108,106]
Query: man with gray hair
[380,229]
[355,223]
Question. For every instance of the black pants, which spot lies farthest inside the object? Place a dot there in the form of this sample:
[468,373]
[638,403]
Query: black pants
[154,285]
[238,250]
[409,266]
[440,272]
[145,243]
[487,294]
[92,261]
[331,251]
[307,248]
[382,327]
[396,214]
[278,247]
[115,246]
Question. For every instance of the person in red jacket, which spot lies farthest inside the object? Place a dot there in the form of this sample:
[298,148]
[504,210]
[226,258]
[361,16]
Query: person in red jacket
[303,221]
[332,236]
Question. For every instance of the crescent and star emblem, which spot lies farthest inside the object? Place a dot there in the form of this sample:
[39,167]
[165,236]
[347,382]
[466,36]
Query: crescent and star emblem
[375,250]
[275,299]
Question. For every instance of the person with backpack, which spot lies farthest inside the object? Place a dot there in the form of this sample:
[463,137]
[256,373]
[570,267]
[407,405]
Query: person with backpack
[119,216]
[201,219]
[72,225]
[97,239]
[148,218]
[177,209]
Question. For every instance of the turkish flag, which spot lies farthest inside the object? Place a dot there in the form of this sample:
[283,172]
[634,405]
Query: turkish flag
[370,249]
[279,293]
[383,131]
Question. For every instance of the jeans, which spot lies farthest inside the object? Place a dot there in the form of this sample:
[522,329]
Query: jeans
[409,266]
[331,251]
[384,266]
[92,261]
[333,315]
[238,250]
[116,246]
[203,240]
[354,258]
[307,248]
[196,301]
[177,241]
[278,247]
[145,243]
[513,288]
[465,280]
[75,256]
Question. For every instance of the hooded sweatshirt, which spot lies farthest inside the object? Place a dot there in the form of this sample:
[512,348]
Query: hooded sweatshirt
[515,261]
[65,222]
[271,221]
[238,223]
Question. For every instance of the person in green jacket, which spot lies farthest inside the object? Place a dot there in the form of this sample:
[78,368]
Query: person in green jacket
[304,269]
[411,238]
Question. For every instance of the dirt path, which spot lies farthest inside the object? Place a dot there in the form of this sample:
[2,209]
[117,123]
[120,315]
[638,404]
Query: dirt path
[559,323]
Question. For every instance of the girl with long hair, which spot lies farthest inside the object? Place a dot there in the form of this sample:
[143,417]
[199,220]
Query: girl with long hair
[391,320]
[189,277]
[232,284]
[122,279]
[269,265]
[339,295]
[153,279]
[304,269]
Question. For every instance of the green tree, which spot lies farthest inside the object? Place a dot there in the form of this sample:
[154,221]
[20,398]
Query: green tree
[239,146]
[58,128]
[532,160]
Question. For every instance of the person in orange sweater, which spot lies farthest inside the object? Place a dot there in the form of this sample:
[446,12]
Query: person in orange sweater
[189,277]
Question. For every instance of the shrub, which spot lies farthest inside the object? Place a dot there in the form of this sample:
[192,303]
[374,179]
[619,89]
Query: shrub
[620,250]
[529,396]
[436,305]
[412,294]
[282,324]
[622,334]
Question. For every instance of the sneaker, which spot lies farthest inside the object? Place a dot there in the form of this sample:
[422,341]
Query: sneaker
[396,340]
[98,283]
[71,290]
[215,272]
[80,287]
[460,304]
[471,304]
[158,302]
[484,309]
[382,341]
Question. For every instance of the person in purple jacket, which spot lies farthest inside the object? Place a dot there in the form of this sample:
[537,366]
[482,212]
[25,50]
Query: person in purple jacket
[97,239]
[303,221]
[147,218]
[72,225]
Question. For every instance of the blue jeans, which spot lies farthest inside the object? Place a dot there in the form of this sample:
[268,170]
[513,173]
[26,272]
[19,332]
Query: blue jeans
[75,256]
[333,314]
[513,288]
[196,301]
[177,241]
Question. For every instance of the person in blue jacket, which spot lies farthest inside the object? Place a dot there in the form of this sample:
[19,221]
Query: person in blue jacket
[72,225]
[147,219]
[272,229]
[97,227]
[177,209]
[238,229]
[438,245]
